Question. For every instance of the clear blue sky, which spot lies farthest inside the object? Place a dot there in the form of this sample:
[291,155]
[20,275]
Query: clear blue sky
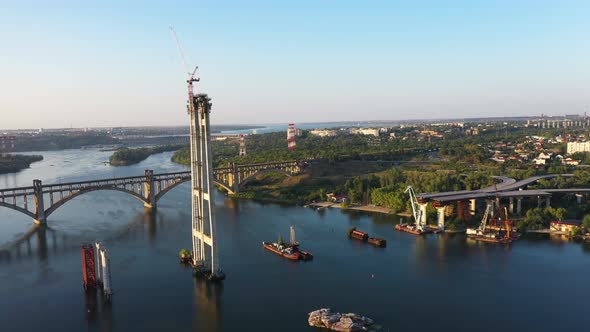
[114,63]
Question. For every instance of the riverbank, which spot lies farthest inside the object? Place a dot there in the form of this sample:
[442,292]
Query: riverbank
[367,208]
[18,163]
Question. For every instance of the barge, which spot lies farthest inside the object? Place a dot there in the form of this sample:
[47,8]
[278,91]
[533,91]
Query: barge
[496,230]
[289,251]
[378,242]
[356,234]
[353,233]
[412,229]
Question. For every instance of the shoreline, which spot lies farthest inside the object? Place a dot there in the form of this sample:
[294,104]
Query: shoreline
[366,208]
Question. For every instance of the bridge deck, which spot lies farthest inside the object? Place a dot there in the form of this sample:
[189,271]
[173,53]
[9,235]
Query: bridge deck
[507,188]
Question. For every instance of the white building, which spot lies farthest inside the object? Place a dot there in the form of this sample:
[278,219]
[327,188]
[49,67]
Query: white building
[365,131]
[545,156]
[573,147]
[323,132]
[540,161]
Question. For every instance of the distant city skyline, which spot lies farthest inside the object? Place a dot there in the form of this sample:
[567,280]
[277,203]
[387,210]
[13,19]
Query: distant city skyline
[110,64]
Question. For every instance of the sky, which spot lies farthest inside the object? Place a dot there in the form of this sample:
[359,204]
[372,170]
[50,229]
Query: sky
[115,63]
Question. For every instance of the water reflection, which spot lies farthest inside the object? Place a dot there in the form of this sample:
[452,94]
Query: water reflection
[36,242]
[98,311]
[207,305]
[233,205]
[41,241]
[151,222]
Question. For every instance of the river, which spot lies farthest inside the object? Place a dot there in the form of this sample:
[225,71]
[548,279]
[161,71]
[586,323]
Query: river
[441,283]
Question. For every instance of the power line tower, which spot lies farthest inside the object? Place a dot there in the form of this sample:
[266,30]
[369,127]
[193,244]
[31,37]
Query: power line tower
[242,145]
[291,137]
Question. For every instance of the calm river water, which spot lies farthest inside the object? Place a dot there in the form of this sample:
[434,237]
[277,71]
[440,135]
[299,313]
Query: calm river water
[441,283]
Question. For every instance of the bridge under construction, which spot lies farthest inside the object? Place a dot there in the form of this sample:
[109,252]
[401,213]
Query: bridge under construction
[514,191]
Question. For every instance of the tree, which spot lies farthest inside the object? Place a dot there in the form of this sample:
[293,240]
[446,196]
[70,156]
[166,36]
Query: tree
[586,222]
[559,213]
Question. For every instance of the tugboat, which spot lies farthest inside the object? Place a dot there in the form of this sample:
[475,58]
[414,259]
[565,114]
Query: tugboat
[288,250]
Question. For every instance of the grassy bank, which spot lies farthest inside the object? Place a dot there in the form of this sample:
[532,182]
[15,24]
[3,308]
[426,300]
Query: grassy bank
[18,163]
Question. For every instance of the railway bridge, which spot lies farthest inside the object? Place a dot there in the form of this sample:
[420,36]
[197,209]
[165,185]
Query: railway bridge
[40,200]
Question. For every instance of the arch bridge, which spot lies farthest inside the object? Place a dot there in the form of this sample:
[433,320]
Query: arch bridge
[41,200]
[234,177]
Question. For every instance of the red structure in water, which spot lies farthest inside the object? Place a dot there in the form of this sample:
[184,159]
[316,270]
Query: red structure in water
[88,266]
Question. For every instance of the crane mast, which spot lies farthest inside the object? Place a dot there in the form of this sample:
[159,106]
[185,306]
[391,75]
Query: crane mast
[484,221]
[415,209]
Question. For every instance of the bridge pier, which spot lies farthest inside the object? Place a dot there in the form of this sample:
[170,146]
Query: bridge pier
[579,198]
[40,217]
[539,201]
[518,205]
[423,212]
[511,205]
[472,206]
[440,210]
[149,189]
[491,202]
[548,201]
[236,178]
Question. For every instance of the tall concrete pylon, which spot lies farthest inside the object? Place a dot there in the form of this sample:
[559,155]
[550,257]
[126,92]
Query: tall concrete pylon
[205,258]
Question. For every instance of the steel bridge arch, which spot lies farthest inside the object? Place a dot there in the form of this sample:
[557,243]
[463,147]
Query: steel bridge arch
[170,187]
[19,209]
[262,171]
[61,202]
[223,185]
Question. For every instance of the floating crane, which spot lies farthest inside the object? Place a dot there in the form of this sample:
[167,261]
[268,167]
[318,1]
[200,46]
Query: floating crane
[420,225]
[293,241]
[496,231]
[479,231]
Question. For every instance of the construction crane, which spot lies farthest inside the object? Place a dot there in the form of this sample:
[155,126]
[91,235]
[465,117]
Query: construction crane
[192,76]
[293,241]
[482,226]
[420,225]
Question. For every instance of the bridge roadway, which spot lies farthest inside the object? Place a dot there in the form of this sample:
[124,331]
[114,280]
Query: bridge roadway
[41,200]
[507,185]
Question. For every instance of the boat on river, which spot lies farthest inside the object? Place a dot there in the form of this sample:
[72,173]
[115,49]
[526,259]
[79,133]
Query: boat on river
[290,250]
[496,230]
[412,229]
[354,233]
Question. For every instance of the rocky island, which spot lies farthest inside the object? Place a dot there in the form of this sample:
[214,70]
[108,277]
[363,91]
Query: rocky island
[325,318]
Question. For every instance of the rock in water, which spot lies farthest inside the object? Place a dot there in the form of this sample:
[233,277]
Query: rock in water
[338,322]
